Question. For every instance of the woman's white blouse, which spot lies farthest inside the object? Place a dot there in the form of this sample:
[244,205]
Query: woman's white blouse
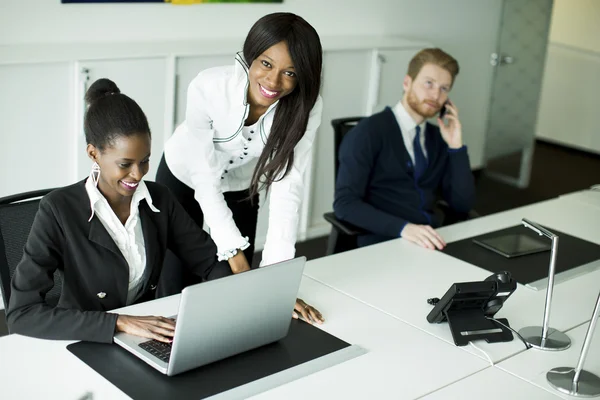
[129,238]
[212,153]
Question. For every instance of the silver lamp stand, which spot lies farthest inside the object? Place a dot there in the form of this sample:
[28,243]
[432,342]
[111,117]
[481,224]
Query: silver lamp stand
[576,381]
[543,337]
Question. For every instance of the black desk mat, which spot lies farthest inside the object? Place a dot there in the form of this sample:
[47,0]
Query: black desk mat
[140,381]
[572,252]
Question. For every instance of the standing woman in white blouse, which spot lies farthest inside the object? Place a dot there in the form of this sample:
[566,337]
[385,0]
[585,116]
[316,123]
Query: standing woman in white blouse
[248,127]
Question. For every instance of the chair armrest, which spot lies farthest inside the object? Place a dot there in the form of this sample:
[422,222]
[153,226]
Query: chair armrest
[451,215]
[345,227]
[473,214]
[24,196]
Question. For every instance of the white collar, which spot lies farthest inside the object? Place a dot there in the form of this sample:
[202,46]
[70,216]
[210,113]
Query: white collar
[407,123]
[141,193]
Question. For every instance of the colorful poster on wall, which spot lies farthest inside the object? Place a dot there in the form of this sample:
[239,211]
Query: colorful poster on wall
[172,1]
[112,1]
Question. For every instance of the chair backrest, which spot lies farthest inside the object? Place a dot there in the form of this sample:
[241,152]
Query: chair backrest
[341,126]
[17,213]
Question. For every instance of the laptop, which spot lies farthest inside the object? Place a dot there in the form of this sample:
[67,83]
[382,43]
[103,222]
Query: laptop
[220,318]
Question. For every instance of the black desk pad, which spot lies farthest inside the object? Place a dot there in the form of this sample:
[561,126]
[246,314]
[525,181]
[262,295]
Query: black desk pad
[572,252]
[140,381]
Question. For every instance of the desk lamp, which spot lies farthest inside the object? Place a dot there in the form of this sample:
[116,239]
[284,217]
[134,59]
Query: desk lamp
[543,337]
[576,381]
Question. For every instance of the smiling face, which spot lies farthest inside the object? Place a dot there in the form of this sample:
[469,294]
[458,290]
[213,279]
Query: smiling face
[272,76]
[123,164]
[426,94]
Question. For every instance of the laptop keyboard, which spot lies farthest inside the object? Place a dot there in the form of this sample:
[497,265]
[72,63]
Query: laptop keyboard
[158,349]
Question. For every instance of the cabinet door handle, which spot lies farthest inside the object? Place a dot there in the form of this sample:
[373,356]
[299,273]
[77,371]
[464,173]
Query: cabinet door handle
[85,78]
[85,74]
[83,81]
[507,60]
[498,59]
[175,100]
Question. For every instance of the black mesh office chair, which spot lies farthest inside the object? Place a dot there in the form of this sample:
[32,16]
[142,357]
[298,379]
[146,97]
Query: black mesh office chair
[343,234]
[16,217]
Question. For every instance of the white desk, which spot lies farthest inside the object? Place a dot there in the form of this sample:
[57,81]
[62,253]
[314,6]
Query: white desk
[585,197]
[491,384]
[379,303]
[397,354]
[402,361]
[556,213]
[532,366]
[397,276]
[44,369]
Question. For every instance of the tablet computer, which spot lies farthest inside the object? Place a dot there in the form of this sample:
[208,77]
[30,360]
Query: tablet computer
[514,244]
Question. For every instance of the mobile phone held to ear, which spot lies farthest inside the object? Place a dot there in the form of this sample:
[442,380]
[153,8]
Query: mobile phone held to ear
[443,109]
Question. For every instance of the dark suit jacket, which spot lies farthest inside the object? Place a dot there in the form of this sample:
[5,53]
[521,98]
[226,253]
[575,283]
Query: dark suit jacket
[90,263]
[376,188]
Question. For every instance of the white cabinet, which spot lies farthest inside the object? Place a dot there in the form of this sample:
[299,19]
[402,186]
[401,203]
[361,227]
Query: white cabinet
[355,83]
[187,69]
[144,80]
[394,64]
[344,91]
[36,137]
[42,105]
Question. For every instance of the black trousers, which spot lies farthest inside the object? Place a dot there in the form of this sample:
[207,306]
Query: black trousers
[174,276]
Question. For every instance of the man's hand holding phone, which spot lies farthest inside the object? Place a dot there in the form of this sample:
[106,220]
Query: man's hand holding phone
[450,126]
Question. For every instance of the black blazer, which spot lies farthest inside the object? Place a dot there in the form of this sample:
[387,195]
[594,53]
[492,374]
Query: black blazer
[90,263]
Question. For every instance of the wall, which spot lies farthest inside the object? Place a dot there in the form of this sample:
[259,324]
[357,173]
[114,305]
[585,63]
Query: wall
[568,111]
[576,23]
[465,28]
[32,21]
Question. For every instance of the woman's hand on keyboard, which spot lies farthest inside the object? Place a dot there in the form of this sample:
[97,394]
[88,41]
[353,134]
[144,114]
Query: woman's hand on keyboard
[159,328]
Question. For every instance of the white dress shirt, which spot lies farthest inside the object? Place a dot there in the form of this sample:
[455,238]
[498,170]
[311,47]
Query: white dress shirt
[129,238]
[212,152]
[408,127]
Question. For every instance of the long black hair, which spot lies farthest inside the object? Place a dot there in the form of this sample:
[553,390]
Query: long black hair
[111,114]
[291,116]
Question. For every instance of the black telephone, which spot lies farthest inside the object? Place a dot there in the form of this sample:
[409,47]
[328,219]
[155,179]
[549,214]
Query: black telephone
[469,308]
[443,109]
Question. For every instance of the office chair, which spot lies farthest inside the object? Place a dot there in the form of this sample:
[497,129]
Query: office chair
[16,217]
[343,234]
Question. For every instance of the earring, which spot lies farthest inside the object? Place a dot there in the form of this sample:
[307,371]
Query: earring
[95,174]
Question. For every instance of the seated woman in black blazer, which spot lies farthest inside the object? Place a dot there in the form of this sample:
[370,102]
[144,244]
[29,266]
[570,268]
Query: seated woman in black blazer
[107,236]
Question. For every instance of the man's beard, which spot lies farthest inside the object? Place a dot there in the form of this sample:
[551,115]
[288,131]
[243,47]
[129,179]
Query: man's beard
[420,107]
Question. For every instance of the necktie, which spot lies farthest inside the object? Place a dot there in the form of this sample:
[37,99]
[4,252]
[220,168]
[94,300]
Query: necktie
[420,160]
